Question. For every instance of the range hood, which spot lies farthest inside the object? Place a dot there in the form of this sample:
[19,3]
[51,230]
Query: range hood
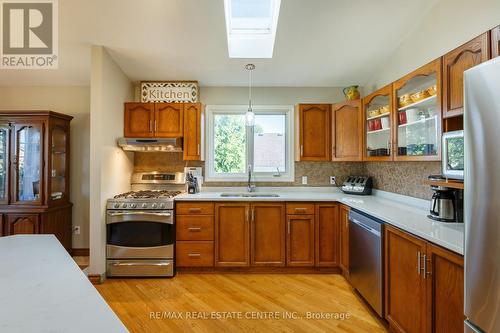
[167,145]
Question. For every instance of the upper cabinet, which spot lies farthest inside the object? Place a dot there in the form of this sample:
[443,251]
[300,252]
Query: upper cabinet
[193,132]
[417,120]
[314,132]
[378,119]
[347,131]
[454,64]
[159,120]
[495,42]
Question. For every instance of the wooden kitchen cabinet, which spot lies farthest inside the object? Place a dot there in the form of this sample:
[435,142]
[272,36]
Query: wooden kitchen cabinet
[300,240]
[168,120]
[417,120]
[347,131]
[193,132]
[194,254]
[455,63]
[424,286]
[378,114]
[138,120]
[495,42]
[344,239]
[267,234]
[22,224]
[232,234]
[313,132]
[327,244]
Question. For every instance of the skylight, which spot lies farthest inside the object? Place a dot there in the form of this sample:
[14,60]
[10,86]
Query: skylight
[251,27]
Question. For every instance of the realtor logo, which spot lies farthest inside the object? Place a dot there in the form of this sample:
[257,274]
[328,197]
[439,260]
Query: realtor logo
[28,34]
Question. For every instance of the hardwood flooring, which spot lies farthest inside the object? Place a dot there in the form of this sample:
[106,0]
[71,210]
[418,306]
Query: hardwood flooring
[187,303]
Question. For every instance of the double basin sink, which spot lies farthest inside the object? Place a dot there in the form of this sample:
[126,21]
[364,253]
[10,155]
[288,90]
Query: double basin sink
[249,195]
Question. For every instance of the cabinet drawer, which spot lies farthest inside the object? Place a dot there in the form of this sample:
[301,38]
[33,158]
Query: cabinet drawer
[195,208]
[195,227]
[299,208]
[194,254]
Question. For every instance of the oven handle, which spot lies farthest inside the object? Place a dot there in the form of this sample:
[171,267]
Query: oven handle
[117,264]
[139,213]
[118,217]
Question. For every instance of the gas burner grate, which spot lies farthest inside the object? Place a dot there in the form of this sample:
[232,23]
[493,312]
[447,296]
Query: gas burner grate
[148,194]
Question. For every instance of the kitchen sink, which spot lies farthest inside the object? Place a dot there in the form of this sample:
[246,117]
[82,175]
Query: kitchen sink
[249,195]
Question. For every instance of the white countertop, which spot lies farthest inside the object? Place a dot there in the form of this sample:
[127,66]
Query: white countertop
[407,213]
[43,290]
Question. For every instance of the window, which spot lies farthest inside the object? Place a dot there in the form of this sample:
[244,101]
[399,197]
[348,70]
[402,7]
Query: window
[232,147]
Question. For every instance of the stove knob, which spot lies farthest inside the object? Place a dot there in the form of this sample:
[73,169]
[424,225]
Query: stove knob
[162,205]
[116,205]
[133,205]
[144,205]
[124,205]
[154,205]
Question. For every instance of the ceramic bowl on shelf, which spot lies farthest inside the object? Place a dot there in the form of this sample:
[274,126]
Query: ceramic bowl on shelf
[432,90]
[384,109]
[385,123]
[412,115]
[373,113]
[418,96]
[404,100]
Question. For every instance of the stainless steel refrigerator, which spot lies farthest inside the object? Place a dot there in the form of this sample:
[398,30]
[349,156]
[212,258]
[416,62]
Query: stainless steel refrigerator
[482,197]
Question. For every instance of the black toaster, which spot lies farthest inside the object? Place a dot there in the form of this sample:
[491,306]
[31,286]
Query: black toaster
[360,185]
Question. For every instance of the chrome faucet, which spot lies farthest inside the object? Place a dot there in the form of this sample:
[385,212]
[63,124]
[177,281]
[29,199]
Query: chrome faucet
[250,186]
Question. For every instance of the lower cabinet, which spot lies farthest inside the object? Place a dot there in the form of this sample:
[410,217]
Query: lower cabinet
[300,240]
[232,234]
[327,235]
[424,285]
[194,254]
[344,239]
[22,224]
[267,234]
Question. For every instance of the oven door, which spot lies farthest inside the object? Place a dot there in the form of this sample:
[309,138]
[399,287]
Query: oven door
[140,235]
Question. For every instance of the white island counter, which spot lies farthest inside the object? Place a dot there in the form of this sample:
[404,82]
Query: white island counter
[43,290]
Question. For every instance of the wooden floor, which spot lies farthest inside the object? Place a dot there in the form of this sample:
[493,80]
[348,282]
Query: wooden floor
[201,296]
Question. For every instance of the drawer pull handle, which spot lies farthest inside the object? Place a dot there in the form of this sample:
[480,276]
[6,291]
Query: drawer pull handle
[194,229]
[194,210]
[194,255]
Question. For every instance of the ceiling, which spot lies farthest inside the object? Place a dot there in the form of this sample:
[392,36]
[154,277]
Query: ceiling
[319,43]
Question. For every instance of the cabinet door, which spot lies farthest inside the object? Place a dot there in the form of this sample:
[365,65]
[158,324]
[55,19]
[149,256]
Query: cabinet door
[4,163]
[445,289]
[454,64]
[344,239]
[139,120]
[22,224]
[192,132]
[27,163]
[495,42]
[405,291]
[314,132]
[59,139]
[378,117]
[232,234]
[327,235]
[347,131]
[2,228]
[300,240]
[267,234]
[168,120]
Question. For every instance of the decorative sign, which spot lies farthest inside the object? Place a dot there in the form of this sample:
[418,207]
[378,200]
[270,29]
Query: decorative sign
[169,91]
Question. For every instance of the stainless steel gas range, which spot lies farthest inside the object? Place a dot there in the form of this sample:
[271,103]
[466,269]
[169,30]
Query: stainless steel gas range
[140,227]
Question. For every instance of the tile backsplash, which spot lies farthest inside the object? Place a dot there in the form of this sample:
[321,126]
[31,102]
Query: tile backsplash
[398,177]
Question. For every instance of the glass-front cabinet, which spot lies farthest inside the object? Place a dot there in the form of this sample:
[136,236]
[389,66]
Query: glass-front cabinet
[58,161]
[417,121]
[4,162]
[378,116]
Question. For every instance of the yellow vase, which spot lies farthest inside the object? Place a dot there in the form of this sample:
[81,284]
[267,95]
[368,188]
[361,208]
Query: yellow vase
[351,93]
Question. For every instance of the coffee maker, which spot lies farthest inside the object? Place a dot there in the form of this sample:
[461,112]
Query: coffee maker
[447,204]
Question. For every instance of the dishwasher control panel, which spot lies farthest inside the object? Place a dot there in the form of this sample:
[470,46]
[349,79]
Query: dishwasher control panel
[360,185]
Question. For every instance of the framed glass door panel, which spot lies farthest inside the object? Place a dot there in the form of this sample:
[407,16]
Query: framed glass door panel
[418,116]
[58,161]
[28,163]
[4,163]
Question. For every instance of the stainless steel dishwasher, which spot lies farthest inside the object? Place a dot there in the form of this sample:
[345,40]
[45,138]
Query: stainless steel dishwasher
[365,258]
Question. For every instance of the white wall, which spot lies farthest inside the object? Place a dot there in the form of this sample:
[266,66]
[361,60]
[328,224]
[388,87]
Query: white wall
[110,167]
[448,25]
[74,101]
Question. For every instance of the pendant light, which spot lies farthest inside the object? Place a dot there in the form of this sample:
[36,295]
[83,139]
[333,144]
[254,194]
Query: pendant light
[250,115]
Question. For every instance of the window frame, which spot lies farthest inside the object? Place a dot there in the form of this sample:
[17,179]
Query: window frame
[288,176]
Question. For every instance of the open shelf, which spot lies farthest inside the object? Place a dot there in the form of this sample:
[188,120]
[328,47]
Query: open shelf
[451,183]
[426,102]
[418,121]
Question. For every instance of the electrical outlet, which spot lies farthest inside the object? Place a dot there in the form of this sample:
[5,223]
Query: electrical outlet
[333,180]
[76,230]
[304,180]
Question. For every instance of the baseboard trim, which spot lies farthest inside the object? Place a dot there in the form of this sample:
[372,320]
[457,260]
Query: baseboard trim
[261,270]
[80,252]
